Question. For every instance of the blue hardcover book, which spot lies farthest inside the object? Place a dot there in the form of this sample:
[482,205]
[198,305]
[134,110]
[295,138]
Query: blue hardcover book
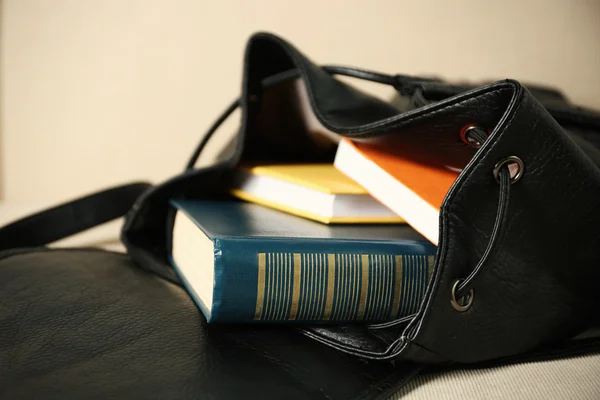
[242,262]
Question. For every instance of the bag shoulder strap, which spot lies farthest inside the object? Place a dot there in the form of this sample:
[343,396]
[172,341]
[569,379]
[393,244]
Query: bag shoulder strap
[69,218]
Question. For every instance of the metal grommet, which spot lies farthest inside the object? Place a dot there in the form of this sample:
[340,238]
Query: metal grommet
[464,136]
[464,303]
[513,163]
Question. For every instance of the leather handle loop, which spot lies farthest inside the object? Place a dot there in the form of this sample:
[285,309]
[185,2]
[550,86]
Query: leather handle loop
[67,219]
[206,138]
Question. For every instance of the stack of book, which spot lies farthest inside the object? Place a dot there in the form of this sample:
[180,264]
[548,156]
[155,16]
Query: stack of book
[352,241]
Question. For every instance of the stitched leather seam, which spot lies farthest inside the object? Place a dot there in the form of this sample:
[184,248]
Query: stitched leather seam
[406,118]
[449,203]
[468,178]
[396,121]
[340,346]
[483,94]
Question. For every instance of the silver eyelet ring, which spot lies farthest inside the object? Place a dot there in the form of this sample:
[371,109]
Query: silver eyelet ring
[464,303]
[512,161]
[464,136]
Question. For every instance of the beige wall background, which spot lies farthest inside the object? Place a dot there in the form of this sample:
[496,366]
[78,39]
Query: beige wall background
[95,93]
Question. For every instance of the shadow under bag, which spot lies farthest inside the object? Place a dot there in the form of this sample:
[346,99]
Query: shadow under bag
[515,274]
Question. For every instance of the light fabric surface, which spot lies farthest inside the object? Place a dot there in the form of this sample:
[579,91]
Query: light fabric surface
[576,378]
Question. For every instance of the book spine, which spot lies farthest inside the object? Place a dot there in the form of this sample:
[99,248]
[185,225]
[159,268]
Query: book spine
[318,281]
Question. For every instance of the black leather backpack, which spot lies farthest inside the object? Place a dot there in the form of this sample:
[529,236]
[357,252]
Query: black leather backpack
[515,274]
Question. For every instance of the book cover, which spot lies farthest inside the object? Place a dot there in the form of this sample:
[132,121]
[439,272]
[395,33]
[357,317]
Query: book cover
[322,177]
[407,178]
[242,262]
[315,191]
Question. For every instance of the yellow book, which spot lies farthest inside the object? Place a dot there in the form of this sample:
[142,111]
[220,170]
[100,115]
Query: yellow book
[315,191]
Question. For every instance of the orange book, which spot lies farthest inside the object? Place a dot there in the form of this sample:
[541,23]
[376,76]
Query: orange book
[409,178]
